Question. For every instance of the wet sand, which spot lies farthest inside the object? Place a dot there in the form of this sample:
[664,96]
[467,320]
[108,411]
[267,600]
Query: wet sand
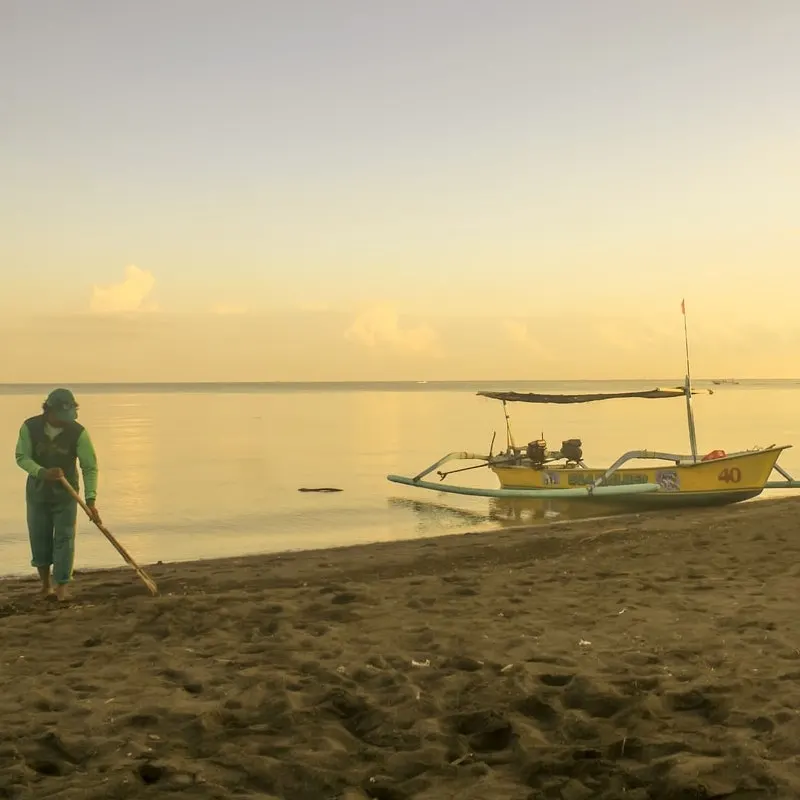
[637,657]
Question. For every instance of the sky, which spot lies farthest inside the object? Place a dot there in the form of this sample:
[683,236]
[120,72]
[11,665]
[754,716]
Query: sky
[360,190]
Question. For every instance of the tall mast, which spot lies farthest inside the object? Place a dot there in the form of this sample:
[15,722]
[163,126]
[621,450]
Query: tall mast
[688,388]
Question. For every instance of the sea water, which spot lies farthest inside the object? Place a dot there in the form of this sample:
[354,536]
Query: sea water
[202,471]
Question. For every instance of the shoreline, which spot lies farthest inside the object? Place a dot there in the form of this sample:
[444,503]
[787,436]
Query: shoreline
[644,655]
[539,528]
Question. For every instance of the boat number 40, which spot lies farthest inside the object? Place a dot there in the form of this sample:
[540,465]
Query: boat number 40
[732,475]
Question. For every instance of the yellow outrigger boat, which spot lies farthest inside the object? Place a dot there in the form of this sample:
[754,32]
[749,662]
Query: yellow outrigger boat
[536,472]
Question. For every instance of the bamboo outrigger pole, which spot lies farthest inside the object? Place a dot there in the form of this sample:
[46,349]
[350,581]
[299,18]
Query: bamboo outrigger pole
[145,578]
[688,388]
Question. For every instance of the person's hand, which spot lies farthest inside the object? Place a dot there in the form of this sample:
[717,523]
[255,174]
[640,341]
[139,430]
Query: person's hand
[53,474]
[94,514]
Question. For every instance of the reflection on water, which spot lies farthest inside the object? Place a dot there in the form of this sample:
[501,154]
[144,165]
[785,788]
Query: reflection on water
[431,515]
[201,474]
[128,434]
[519,511]
[433,518]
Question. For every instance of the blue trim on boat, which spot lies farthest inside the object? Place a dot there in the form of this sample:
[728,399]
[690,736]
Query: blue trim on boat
[582,491]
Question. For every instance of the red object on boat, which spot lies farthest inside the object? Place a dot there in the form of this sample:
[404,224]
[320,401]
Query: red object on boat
[714,454]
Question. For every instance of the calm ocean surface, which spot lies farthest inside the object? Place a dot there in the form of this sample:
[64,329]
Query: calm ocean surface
[200,471]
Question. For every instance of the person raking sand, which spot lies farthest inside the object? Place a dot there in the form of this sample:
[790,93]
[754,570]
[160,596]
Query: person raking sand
[49,448]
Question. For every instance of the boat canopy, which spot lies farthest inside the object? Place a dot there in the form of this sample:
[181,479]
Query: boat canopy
[650,394]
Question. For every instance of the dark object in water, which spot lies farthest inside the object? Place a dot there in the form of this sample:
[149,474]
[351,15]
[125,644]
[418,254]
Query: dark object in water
[322,489]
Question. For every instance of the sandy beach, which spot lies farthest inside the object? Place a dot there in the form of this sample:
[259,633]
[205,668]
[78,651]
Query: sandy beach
[636,657]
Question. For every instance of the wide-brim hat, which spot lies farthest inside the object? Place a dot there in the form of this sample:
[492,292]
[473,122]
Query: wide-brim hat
[61,399]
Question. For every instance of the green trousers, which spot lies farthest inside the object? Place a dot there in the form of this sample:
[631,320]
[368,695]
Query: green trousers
[51,530]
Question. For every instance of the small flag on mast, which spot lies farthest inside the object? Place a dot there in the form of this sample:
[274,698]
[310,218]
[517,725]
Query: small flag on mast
[683,307]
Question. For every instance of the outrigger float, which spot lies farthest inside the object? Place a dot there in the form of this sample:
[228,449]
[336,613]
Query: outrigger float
[685,480]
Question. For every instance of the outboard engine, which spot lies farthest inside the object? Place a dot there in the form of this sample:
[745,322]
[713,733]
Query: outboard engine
[571,450]
[537,452]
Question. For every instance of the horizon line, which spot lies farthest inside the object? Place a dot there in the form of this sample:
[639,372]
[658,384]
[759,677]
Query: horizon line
[410,382]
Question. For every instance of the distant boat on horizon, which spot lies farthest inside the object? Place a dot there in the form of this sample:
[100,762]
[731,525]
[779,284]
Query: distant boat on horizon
[720,381]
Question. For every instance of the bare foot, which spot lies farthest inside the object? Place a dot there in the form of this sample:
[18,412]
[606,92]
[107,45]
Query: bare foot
[44,577]
[62,593]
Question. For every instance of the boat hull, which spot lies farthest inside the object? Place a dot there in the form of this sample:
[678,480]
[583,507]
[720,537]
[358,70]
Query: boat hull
[731,479]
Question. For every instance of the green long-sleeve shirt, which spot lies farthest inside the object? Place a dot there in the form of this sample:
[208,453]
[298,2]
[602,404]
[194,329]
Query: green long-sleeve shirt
[86,458]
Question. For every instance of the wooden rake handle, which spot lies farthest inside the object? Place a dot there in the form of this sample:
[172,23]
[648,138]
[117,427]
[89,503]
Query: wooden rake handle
[145,578]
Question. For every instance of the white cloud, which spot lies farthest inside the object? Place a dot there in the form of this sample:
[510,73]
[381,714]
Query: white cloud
[379,326]
[130,295]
